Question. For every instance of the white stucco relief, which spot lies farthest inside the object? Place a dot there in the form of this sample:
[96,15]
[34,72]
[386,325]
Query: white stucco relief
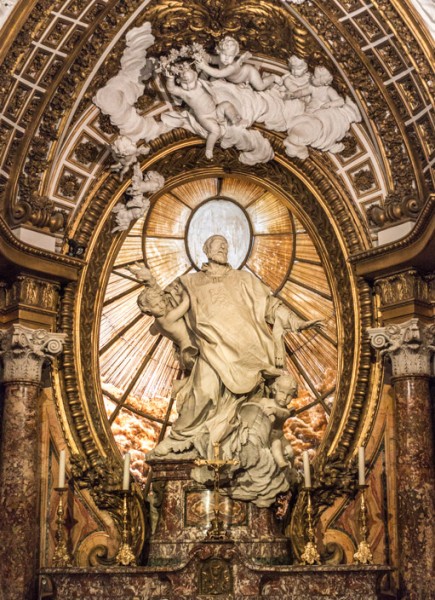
[223,96]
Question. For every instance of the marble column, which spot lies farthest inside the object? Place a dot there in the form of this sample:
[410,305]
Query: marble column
[410,346]
[24,352]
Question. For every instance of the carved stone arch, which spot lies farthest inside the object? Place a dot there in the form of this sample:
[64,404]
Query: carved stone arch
[323,207]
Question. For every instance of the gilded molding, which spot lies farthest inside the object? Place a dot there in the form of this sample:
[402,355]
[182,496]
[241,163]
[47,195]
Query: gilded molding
[408,251]
[15,253]
[30,291]
[406,285]
[399,205]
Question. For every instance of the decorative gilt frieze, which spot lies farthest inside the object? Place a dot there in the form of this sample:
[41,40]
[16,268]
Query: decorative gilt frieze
[24,352]
[29,291]
[409,346]
[400,287]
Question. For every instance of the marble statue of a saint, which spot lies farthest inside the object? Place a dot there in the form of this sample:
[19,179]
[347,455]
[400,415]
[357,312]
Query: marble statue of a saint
[228,314]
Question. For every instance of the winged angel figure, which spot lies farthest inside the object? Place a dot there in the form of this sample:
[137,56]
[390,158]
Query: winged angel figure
[221,102]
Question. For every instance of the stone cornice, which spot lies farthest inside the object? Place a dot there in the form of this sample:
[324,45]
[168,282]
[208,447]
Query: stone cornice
[417,249]
[15,256]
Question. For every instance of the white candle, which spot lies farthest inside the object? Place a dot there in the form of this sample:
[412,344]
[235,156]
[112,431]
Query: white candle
[61,480]
[361,466]
[126,477]
[307,472]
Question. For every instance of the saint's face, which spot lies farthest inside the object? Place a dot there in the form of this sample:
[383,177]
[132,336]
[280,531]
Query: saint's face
[218,251]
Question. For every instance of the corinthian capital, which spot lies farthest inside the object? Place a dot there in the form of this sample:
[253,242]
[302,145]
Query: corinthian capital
[409,346]
[25,350]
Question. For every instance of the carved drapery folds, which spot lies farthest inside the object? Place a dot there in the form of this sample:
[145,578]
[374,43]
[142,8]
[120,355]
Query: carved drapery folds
[409,345]
[24,352]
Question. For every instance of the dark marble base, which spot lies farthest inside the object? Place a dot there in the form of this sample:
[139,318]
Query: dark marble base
[185,511]
[240,581]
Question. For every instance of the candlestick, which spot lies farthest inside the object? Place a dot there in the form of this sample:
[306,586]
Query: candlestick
[126,474]
[363,555]
[361,466]
[307,472]
[61,480]
[61,556]
[310,554]
[217,530]
[125,554]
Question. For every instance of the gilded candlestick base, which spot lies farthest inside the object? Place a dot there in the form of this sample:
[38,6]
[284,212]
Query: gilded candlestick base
[216,531]
[61,556]
[363,555]
[125,556]
[310,555]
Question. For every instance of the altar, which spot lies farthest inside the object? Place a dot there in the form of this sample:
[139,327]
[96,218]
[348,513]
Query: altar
[250,581]
[252,559]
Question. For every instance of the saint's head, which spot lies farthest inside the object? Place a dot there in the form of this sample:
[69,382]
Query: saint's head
[216,249]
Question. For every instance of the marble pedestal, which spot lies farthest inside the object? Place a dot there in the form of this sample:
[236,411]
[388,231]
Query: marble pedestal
[184,509]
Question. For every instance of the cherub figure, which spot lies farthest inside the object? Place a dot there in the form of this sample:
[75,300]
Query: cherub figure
[169,321]
[298,77]
[148,183]
[322,94]
[131,211]
[235,71]
[284,389]
[209,114]
[125,153]
[137,205]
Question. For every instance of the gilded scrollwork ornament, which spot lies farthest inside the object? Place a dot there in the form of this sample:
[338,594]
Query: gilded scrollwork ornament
[398,205]
[102,479]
